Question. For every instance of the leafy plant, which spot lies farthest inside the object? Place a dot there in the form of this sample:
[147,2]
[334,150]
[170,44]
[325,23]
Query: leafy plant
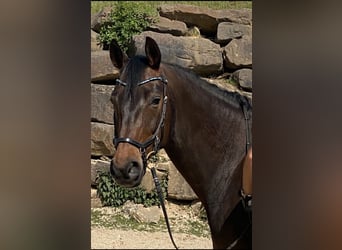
[112,194]
[125,20]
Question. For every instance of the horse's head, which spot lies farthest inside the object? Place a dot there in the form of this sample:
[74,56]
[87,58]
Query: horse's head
[139,100]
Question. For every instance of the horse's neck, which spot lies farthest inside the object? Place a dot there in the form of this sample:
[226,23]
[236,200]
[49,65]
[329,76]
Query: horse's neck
[206,144]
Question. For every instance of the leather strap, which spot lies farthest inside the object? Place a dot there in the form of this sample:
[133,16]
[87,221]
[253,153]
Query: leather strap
[247,174]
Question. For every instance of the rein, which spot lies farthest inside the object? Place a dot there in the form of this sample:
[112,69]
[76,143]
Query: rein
[154,139]
[161,199]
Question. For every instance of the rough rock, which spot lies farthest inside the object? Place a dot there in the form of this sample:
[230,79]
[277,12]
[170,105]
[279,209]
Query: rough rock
[93,193]
[173,27]
[164,166]
[198,54]
[193,32]
[140,213]
[205,19]
[244,78]
[98,19]
[147,182]
[95,203]
[238,53]
[222,83]
[102,67]
[198,208]
[94,43]
[97,167]
[162,155]
[227,31]
[95,200]
[101,139]
[101,106]
[178,188]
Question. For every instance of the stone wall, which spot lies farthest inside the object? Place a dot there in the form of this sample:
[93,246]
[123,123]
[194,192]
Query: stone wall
[212,43]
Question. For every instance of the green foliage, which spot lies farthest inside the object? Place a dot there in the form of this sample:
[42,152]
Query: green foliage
[111,194]
[125,20]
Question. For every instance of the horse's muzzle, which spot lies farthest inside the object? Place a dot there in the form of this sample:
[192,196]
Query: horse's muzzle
[129,174]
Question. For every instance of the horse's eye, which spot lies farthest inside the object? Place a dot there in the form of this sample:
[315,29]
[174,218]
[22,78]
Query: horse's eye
[155,100]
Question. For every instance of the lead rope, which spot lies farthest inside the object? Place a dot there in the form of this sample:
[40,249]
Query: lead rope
[160,196]
[159,190]
[161,199]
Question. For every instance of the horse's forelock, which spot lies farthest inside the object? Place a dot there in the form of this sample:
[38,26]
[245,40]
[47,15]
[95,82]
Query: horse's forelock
[134,70]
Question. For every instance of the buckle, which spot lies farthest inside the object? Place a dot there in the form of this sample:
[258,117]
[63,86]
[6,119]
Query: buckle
[246,199]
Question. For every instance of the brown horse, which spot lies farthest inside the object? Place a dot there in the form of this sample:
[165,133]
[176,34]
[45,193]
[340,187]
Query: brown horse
[203,129]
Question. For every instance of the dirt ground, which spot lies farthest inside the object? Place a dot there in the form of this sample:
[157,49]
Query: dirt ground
[117,236]
[103,238]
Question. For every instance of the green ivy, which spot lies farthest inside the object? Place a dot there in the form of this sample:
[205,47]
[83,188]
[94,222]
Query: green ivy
[112,194]
[125,20]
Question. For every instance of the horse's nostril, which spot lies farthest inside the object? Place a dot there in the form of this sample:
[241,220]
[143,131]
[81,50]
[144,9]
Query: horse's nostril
[128,174]
[134,164]
[133,168]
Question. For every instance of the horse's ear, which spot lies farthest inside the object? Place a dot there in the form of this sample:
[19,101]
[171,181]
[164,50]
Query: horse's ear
[117,56]
[152,53]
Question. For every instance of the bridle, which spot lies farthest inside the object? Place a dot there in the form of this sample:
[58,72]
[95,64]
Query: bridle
[155,139]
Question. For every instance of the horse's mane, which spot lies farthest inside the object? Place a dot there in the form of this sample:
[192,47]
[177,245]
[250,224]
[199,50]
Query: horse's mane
[232,97]
[138,64]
